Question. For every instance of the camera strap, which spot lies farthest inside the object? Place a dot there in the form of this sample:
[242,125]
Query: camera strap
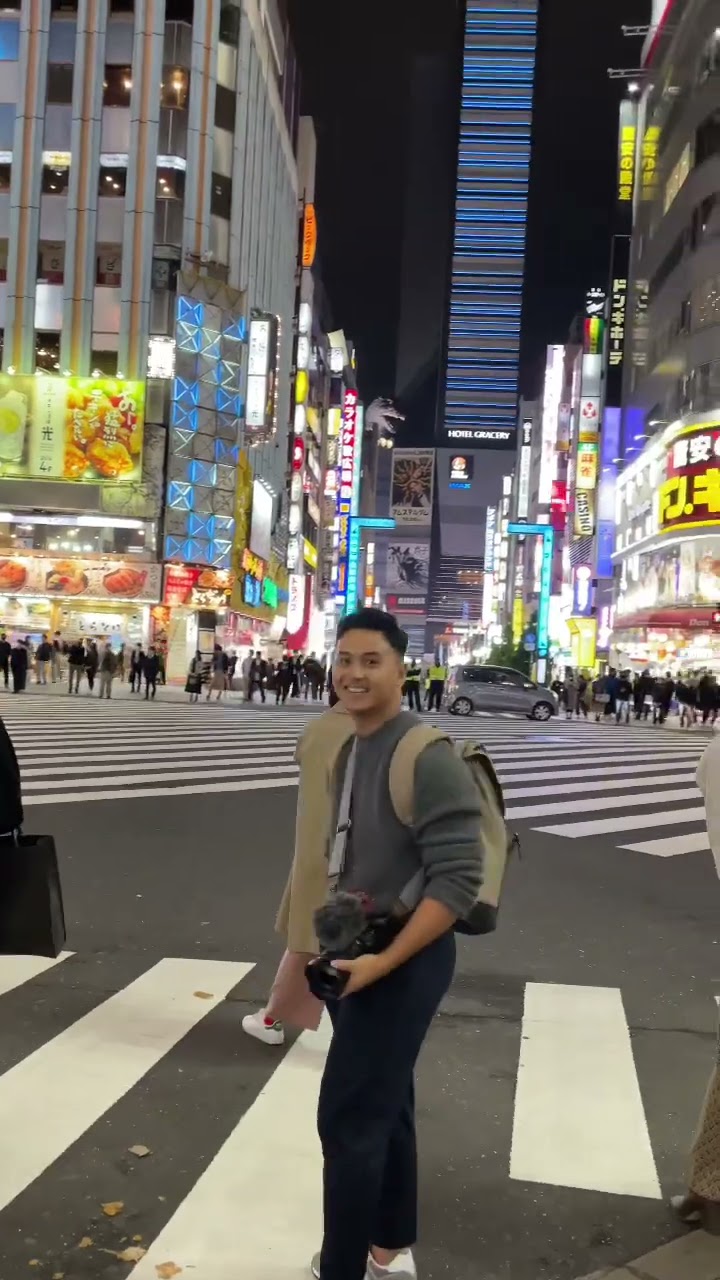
[344,823]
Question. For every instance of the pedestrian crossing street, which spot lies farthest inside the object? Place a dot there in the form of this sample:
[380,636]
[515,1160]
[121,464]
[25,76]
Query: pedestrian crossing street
[226,1126]
[632,787]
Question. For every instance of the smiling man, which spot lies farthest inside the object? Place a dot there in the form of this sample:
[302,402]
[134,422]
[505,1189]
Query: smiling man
[366,1115]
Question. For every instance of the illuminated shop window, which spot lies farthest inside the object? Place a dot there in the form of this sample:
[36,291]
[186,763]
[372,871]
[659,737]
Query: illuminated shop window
[117,86]
[170,184]
[55,182]
[175,88]
[112,182]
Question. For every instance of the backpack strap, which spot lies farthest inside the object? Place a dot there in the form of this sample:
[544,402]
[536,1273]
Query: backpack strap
[402,768]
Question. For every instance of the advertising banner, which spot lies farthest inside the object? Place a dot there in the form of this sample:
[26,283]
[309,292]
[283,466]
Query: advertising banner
[462,469]
[618,319]
[408,568]
[413,605]
[412,487]
[690,496]
[196,587]
[584,512]
[349,458]
[85,579]
[627,137]
[79,429]
[587,467]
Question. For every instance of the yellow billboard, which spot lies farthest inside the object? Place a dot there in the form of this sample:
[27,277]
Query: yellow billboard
[79,429]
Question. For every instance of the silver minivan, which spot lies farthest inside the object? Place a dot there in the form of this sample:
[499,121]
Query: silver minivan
[498,689]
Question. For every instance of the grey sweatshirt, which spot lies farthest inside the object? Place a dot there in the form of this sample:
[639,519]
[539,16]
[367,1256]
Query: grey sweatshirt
[382,854]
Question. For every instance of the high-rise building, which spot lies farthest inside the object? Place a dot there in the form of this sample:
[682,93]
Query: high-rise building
[488,260]
[667,535]
[149,234]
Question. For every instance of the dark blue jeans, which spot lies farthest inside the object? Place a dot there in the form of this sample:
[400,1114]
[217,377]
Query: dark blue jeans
[366,1116]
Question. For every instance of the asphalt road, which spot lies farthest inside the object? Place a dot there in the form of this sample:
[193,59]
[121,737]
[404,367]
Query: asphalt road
[560,1085]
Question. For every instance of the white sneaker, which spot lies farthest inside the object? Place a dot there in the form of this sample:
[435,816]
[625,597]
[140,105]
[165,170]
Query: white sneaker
[403,1268]
[270,1033]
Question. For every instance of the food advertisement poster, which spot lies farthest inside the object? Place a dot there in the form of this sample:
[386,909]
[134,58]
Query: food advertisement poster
[200,588]
[79,429]
[75,578]
[412,486]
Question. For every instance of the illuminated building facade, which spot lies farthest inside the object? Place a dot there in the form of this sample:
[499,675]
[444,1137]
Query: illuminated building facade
[667,547]
[148,217]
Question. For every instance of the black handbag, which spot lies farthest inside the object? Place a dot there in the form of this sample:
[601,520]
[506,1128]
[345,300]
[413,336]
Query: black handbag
[32,919]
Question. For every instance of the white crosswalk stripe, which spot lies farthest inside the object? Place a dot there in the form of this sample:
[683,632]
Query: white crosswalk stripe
[628,779]
[578,1118]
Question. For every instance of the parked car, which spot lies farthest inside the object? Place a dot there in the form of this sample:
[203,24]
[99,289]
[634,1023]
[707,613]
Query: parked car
[497,689]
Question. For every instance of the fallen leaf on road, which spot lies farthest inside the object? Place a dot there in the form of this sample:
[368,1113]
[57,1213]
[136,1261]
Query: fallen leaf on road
[203,995]
[34,1262]
[85,1243]
[140,1151]
[113,1208]
[58,1275]
[137,1239]
[133,1254]
[167,1270]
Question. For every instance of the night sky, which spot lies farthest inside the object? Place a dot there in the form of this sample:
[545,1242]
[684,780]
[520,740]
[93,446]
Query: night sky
[355,84]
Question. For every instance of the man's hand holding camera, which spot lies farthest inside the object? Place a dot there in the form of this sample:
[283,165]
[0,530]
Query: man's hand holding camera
[363,972]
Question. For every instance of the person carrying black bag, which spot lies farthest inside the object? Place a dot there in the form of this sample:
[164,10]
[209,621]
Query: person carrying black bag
[11,810]
[32,919]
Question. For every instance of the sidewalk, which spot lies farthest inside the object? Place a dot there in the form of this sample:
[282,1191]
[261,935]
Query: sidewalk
[691,1257]
[165,693]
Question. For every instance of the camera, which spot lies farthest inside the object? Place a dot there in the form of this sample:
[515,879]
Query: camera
[345,932]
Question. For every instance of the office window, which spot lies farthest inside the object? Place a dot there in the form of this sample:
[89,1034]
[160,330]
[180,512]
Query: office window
[112,182]
[108,265]
[170,184]
[51,262]
[122,6]
[61,6]
[5,175]
[47,351]
[59,82]
[179,10]
[106,362]
[117,86]
[55,182]
[9,41]
[225,100]
[175,88]
[230,24]
[221,196]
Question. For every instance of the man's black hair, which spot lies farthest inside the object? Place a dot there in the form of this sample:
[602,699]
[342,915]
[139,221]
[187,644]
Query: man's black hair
[376,620]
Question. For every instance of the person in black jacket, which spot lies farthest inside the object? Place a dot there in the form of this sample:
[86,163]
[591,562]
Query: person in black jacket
[11,810]
[151,671]
[5,651]
[19,666]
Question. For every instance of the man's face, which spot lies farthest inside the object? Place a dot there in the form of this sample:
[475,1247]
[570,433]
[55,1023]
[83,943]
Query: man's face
[367,673]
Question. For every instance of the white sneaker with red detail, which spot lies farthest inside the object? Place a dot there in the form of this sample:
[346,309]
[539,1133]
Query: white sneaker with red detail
[258,1026]
[403,1268]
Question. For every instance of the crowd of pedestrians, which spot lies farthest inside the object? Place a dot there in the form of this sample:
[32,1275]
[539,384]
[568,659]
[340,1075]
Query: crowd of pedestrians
[621,696]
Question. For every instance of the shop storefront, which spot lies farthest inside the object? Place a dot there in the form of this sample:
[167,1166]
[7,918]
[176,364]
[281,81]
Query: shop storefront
[104,598]
[193,614]
[258,611]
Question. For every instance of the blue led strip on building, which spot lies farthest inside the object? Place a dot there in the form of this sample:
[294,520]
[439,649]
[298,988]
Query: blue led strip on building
[490,217]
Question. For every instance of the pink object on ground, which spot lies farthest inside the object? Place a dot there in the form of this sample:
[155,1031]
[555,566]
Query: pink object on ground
[291,1000]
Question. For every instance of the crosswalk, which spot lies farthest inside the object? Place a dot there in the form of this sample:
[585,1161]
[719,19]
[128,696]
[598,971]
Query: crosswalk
[633,788]
[234,1137]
